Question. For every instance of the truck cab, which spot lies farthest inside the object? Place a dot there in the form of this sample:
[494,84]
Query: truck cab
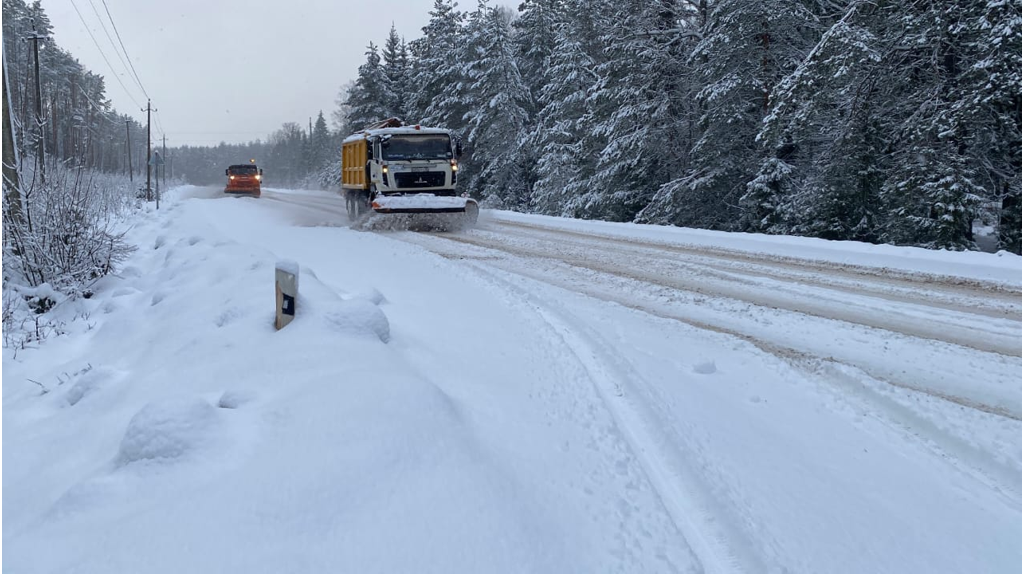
[414,163]
[393,168]
[244,179]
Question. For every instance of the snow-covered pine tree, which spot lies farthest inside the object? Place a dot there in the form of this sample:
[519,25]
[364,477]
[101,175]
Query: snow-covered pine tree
[931,192]
[765,195]
[987,103]
[396,70]
[438,80]
[639,106]
[498,169]
[533,36]
[816,126]
[561,135]
[320,144]
[535,39]
[339,116]
[404,63]
[745,48]
[932,197]
[285,154]
[1010,221]
[326,170]
[369,99]
[885,115]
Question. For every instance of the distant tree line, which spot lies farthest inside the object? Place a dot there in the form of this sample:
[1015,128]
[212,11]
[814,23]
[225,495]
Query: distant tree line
[292,155]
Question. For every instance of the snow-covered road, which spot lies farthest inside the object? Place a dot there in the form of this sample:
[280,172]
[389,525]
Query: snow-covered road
[919,330]
[554,396]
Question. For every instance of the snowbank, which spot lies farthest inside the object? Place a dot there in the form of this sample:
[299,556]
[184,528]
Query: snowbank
[1001,267]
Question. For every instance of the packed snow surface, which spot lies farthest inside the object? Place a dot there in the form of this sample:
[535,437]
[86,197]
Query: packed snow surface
[532,395]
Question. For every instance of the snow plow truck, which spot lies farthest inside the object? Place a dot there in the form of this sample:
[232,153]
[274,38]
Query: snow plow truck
[392,168]
[244,179]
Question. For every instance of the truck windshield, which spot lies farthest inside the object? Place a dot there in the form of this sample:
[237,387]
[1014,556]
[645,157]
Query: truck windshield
[242,170]
[437,146]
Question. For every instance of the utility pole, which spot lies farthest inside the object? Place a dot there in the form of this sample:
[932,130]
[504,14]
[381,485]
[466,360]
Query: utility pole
[149,150]
[12,187]
[128,145]
[41,160]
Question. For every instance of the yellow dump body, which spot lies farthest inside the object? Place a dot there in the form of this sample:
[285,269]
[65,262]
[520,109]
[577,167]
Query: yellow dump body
[353,165]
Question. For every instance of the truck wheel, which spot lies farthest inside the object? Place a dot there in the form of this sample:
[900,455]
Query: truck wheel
[364,202]
[351,207]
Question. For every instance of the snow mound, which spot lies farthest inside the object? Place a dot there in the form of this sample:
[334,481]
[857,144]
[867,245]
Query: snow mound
[359,317]
[235,399]
[130,272]
[88,382]
[168,430]
[705,368]
[372,295]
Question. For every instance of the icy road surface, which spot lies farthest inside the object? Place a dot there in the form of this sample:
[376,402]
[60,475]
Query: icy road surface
[552,396]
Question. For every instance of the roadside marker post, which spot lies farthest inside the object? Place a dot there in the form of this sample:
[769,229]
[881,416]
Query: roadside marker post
[286,288]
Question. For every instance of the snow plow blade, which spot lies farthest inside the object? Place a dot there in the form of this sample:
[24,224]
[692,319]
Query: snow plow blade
[423,212]
[237,191]
[424,204]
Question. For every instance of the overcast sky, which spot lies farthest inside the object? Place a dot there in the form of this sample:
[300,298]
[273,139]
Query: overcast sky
[233,70]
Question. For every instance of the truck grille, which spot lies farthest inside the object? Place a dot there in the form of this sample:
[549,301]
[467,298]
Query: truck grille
[420,179]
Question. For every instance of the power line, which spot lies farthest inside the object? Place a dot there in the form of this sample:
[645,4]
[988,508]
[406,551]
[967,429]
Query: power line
[109,39]
[159,125]
[109,65]
[218,132]
[116,33]
[102,112]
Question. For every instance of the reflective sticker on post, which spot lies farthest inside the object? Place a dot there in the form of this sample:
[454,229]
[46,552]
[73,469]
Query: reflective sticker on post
[287,304]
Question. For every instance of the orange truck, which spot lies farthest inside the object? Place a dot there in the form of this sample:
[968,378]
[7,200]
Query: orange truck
[393,168]
[244,179]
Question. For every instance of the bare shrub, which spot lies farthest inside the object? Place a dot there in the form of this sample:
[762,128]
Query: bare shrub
[68,233]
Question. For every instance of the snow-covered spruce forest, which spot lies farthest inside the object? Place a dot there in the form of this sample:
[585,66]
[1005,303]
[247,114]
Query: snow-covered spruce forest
[890,122]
